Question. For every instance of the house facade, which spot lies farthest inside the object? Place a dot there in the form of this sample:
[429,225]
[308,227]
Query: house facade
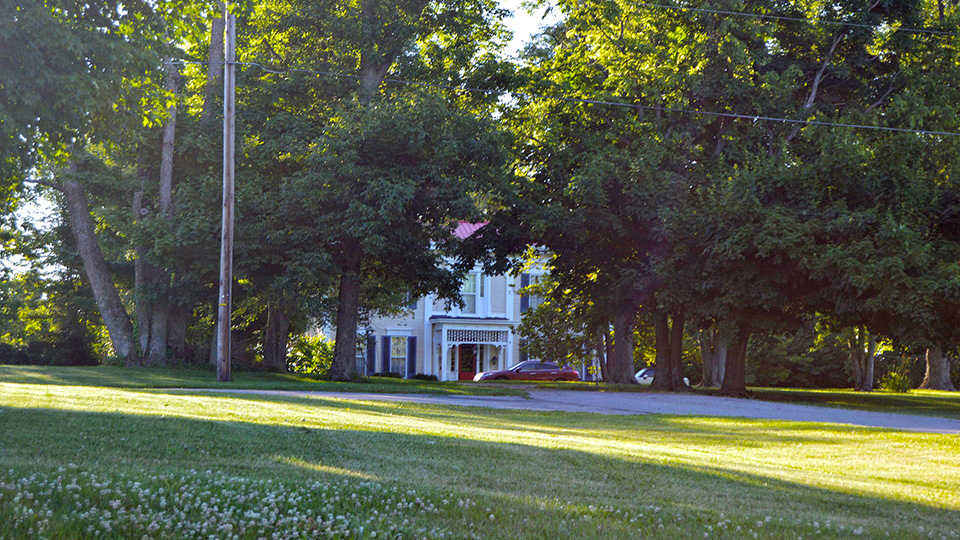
[436,337]
[449,341]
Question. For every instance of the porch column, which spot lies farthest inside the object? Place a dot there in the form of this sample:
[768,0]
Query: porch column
[444,351]
[456,365]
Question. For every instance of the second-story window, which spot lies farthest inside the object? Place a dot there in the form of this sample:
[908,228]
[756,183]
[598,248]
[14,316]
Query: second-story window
[468,291]
[535,299]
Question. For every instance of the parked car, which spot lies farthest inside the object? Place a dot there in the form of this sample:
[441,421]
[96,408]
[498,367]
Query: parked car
[531,371]
[645,376]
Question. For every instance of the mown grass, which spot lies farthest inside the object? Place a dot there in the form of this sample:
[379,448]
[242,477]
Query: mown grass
[917,402]
[920,402]
[119,377]
[477,472]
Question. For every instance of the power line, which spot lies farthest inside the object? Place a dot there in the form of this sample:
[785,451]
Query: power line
[752,117]
[793,19]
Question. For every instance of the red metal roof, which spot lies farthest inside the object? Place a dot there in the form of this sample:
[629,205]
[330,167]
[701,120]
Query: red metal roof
[465,229]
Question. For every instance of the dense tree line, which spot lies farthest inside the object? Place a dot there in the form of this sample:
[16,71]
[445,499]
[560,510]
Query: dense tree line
[672,227]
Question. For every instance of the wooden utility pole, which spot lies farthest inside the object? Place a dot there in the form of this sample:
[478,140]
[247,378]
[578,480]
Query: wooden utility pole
[226,238]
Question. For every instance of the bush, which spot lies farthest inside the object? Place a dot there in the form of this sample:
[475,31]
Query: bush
[388,375]
[310,355]
[11,354]
[358,378]
[114,361]
[425,377]
[896,381]
[789,360]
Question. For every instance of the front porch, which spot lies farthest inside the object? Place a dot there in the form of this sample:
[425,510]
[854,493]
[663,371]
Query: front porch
[462,349]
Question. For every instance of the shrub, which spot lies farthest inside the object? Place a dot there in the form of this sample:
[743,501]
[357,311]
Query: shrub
[896,381]
[11,354]
[114,361]
[425,377]
[310,355]
[388,375]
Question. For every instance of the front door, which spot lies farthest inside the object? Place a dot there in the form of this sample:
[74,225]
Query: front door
[468,362]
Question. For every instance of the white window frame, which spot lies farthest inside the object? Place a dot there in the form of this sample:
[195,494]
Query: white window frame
[360,362]
[403,359]
[476,294]
[535,299]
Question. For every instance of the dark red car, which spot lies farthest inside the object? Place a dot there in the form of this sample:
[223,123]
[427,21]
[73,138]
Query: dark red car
[531,371]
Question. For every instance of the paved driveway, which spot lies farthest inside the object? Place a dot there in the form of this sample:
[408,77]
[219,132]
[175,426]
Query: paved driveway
[649,403]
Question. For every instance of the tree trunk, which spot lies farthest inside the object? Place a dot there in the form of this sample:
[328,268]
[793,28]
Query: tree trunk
[151,308]
[114,315]
[345,346]
[608,354]
[620,365]
[169,136]
[720,358]
[662,366]
[713,351]
[668,375]
[734,379]
[276,335]
[856,358]
[140,279]
[215,68]
[676,351]
[179,319]
[937,376]
[863,351]
[706,342]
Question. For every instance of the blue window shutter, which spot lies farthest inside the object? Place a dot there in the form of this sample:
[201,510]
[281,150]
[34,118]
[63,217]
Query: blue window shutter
[412,304]
[371,355]
[386,355]
[524,299]
[523,356]
[411,356]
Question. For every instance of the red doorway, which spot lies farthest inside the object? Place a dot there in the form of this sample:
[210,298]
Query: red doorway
[468,362]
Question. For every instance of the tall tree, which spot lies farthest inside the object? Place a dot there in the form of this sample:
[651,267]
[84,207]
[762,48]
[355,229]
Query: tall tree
[379,175]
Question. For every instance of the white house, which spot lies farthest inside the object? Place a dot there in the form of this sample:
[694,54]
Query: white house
[452,342]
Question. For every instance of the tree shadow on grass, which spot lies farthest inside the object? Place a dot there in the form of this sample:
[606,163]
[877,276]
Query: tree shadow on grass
[715,431]
[946,405]
[508,473]
[178,378]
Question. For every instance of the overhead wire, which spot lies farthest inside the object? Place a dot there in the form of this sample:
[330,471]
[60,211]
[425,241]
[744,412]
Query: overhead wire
[530,95]
[795,19]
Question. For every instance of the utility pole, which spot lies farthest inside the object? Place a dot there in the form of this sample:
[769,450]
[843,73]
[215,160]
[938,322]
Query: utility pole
[226,238]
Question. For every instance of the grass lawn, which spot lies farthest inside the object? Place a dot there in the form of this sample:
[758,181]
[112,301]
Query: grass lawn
[919,402]
[94,462]
[922,402]
[118,377]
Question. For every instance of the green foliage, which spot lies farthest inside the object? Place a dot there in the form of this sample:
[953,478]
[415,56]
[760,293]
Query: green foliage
[310,355]
[388,375]
[558,329]
[424,377]
[798,360]
[896,381]
[48,320]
